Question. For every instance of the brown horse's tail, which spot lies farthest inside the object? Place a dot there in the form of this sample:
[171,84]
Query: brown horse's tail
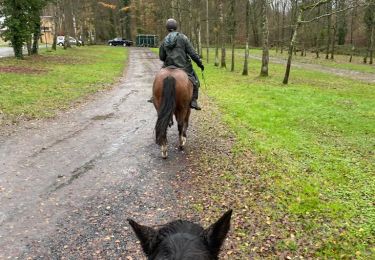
[166,110]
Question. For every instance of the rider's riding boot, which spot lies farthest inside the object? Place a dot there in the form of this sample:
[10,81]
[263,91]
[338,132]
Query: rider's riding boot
[194,103]
[151,100]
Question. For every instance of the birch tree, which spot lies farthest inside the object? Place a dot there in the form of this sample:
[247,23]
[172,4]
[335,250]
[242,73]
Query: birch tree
[369,20]
[265,53]
[222,35]
[207,32]
[329,27]
[232,30]
[245,70]
[301,9]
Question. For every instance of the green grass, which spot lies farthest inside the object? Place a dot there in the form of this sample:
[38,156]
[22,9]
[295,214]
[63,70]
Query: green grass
[315,140]
[38,86]
[340,61]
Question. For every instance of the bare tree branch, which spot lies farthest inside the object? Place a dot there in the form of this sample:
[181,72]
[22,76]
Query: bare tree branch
[334,12]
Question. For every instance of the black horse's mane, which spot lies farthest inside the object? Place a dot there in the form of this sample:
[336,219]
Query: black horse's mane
[180,226]
[183,239]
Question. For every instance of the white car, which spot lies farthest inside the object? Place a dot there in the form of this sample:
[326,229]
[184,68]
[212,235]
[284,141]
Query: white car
[61,39]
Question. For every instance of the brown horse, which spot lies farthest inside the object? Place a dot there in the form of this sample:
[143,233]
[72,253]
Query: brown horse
[172,93]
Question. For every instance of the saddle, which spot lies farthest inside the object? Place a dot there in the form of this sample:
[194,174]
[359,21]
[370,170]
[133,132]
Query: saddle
[190,76]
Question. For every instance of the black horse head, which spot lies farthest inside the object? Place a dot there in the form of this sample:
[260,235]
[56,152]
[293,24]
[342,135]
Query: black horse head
[183,240]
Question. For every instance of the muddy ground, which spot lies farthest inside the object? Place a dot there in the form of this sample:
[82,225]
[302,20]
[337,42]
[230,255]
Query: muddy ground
[67,185]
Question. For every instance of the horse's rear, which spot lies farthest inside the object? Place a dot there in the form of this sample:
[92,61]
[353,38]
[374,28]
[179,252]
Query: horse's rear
[172,92]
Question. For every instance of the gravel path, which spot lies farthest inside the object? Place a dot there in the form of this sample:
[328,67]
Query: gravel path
[67,185]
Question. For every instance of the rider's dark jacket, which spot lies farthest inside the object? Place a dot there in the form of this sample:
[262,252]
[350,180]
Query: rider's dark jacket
[176,50]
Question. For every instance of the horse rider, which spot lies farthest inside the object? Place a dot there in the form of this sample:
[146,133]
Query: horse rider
[176,50]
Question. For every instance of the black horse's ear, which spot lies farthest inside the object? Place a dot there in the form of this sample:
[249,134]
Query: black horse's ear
[216,233]
[146,236]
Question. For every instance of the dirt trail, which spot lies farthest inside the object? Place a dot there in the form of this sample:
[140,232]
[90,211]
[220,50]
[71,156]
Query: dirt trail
[352,74]
[67,185]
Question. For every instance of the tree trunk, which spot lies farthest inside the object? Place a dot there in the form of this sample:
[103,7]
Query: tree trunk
[217,49]
[318,35]
[173,7]
[254,25]
[223,56]
[372,44]
[265,54]
[179,13]
[334,36]
[55,29]
[66,25]
[291,47]
[282,28]
[367,52]
[351,53]
[207,33]
[333,43]
[199,30]
[36,33]
[190,22]
[17,47]
[222,32]
[232,30]
[329,10]
[245,70]
[29,45]
[302,37]
[354,12]
[233,45]
[278,27]
[200,41]
[317,46]
[36,38]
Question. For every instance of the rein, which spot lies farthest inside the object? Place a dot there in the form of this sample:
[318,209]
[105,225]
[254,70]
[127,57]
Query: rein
[204,80]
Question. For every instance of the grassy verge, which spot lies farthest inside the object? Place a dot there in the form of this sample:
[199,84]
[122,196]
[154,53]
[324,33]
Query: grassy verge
[308,184]
[37,86]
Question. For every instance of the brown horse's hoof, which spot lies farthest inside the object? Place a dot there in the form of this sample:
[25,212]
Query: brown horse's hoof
[182,143]
[164,151]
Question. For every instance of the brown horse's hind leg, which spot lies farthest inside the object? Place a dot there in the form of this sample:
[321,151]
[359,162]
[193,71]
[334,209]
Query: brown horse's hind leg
[183,124]
[186,123]
[181,136]
[180,117]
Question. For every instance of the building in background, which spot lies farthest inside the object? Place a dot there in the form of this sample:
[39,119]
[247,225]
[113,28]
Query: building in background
[1,30]
[47,29]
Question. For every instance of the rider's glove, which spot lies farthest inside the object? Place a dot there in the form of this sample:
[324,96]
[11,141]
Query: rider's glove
[201,66]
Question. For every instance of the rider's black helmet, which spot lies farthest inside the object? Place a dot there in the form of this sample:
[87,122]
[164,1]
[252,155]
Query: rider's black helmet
[171,25]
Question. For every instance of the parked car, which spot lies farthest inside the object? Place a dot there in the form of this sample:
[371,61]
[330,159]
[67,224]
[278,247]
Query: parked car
[120,41]
[61,39]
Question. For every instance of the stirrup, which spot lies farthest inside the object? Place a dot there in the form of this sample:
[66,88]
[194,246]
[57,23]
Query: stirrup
[194,104]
